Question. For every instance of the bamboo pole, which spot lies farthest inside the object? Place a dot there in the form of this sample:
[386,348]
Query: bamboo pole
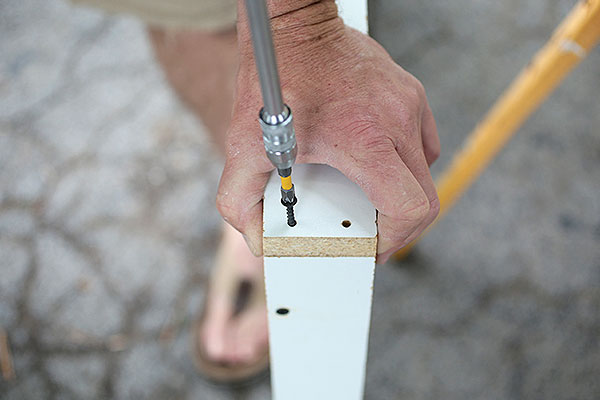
[6,363]
[572,40]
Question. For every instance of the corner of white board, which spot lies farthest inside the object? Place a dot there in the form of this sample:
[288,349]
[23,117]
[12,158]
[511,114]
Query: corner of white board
[355,14]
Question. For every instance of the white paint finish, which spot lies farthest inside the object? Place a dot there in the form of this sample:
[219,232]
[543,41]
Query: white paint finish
[354,13]
[325,199]
[319,349]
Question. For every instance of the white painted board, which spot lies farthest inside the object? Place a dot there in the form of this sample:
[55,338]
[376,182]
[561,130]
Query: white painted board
[326,198]
[319,347]
[354,13]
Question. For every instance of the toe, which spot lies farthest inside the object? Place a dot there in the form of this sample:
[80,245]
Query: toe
[212,336]
[251,335]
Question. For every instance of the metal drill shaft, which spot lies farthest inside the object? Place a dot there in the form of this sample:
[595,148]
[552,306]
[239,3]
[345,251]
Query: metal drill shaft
[275,117]
[264,55]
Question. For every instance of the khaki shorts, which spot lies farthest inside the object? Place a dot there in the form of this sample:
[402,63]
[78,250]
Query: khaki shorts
[213,15]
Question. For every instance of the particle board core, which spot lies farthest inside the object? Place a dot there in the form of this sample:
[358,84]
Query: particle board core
[335,218]
[319,247]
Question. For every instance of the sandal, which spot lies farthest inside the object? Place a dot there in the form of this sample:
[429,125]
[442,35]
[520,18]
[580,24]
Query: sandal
[248,293]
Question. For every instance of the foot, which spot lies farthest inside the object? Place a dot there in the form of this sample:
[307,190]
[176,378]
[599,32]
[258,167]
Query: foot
[231,338]
[233,331]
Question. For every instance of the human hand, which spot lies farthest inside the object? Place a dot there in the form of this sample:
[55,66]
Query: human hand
[354,109]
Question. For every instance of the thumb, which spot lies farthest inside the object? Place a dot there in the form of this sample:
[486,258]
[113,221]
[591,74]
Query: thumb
[240,197]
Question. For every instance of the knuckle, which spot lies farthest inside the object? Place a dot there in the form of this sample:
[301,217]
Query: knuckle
[365,139]
[435,153]
[415,89]
[408,119]
[398,227]
[412,94]
[410,150]
[434,208]
[375,144]
[224,205]
[227,207]
[419,88]
[360,127]
[414,211]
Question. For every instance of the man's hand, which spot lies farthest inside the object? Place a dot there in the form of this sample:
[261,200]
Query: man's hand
[354,109]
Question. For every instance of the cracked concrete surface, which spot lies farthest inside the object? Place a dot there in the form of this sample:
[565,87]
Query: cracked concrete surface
[107,223]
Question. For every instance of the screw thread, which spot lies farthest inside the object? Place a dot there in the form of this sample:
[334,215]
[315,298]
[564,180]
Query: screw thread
[291,219]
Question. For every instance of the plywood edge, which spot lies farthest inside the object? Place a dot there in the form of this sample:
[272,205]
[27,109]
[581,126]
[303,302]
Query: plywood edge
[320,246]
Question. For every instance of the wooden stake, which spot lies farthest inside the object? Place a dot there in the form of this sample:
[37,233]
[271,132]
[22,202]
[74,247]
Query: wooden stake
[6,363]
[570,43]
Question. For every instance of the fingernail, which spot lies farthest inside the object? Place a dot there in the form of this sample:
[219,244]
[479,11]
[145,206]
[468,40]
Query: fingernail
[384,257]
[251,245]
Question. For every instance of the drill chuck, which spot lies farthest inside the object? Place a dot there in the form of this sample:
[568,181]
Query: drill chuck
[279,137]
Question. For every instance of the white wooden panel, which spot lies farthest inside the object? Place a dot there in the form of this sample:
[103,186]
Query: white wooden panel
[325,199]
[319,349]
[354,14]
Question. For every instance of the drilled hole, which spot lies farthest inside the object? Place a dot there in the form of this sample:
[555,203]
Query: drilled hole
[282,311]
[346,223]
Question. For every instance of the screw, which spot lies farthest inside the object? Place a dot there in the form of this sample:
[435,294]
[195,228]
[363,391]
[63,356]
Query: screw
[291,220]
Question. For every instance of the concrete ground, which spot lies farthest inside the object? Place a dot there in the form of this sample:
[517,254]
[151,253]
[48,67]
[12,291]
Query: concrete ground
[107,224]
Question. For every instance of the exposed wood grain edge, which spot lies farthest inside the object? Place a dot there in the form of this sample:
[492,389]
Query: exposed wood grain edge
[6,362]
[319,247]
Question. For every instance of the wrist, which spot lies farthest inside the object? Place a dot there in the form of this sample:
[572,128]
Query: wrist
[293,23]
